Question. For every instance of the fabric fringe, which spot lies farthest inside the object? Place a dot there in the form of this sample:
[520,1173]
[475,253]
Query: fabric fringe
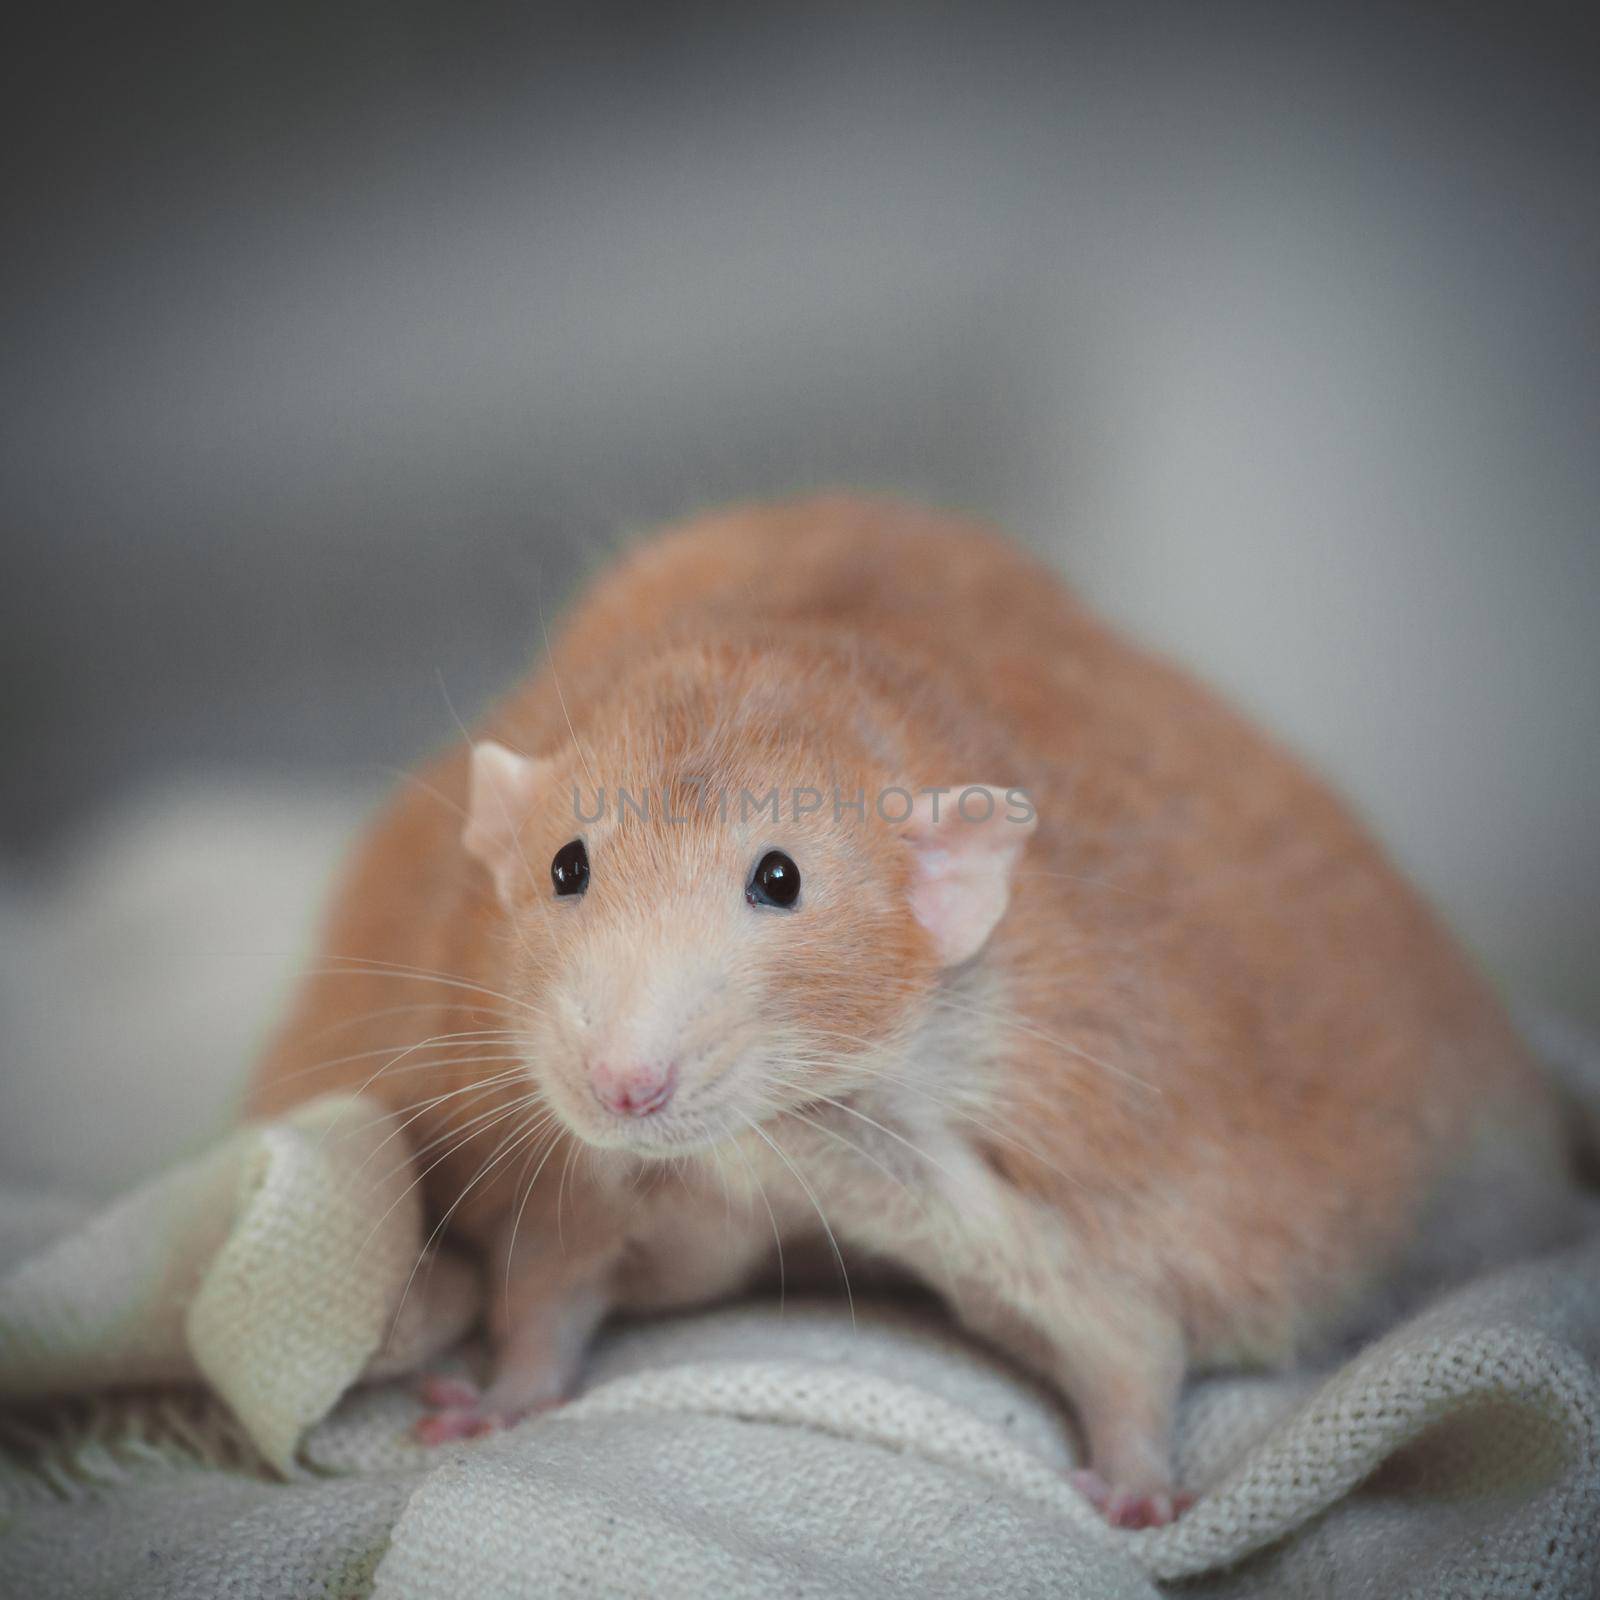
[96,1444]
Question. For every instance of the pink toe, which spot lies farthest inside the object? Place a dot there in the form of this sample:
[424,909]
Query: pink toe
[443,1427]
[1125,1509]
[458,1422]
[1121,1509]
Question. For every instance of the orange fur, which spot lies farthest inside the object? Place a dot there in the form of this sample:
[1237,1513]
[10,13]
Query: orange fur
[1212,1078]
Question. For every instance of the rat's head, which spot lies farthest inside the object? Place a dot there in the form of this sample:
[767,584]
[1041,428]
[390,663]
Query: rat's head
[704,939]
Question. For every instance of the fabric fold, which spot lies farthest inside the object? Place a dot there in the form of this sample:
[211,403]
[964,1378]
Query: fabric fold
[271,1268]
[286,1275]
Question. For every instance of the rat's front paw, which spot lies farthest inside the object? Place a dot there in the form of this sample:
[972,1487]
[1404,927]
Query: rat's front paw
[458,1409]
[451,1423]
[1128,1508]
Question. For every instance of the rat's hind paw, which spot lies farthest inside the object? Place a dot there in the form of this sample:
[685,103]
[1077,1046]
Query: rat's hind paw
[1126,1508]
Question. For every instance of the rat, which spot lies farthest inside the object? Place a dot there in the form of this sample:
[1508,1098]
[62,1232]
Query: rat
[841,888]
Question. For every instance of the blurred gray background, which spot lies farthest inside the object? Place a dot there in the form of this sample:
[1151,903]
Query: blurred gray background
[339,340]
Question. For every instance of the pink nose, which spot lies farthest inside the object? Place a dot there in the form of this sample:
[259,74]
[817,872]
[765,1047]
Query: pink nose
[635,1090]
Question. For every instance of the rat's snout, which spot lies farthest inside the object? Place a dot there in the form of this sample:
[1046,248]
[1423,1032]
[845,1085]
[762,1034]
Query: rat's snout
[633,1088]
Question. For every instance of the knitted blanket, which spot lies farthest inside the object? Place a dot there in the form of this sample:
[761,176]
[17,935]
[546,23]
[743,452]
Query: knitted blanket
[205,1391]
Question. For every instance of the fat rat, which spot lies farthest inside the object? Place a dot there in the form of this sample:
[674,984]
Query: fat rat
[841,880]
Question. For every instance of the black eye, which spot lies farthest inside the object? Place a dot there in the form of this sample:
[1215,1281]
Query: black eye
[569,872]
[775,882]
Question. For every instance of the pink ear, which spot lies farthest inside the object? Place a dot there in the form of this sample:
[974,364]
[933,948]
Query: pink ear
[503,787]
[967,840]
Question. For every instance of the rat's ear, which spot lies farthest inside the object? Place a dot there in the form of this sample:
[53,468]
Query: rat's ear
[967,841]
[503,786]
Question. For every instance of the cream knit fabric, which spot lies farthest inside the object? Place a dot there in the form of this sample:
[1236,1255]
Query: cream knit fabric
[744,1451]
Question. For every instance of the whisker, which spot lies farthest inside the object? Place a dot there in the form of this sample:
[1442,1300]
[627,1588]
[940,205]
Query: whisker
[437,1041]
[838,1254]
[777,1236]
[511,1140]
[415,781]
[419,1178]
[889,1132]
[424,1103]
[873,1066]
[849,1144]
[555,678]
[727,1192]
[392,1011]
[409,1050]
[968,1007]
[951,1004]
[917,1196]
[476,1090]
[458,1136]
[516,1222]
[353,966]
[561,1191]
